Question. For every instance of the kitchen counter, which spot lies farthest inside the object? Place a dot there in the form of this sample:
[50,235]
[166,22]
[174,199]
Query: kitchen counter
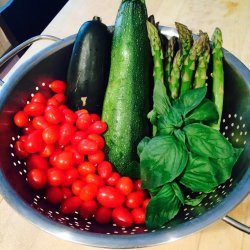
[232,17]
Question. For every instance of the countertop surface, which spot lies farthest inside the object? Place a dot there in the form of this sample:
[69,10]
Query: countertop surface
[232,16]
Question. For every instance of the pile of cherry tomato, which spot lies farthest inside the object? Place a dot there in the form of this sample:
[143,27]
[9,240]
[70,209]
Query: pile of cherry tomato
[64,156]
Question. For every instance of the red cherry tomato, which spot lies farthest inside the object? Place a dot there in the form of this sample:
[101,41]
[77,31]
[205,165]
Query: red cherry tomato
[70,205]
[110,197]
[113,179]
[77,186]
[53,102]
[29,129]
[54,195]
[78,137]
[50,134]
[64,160]
[88,208]
[58,86]
[56,176]
[81,111]
[86,167]
[69,116]
[21,119]
[94,178]
[145,203]
[53,114]
[60,97]
[98,139]
[36,161]
[97,157]
[97,127]
[71,175]
[34,109]
[39,122]
[137,185]
[47,151]
[34,142]
[66,191]
[104,169]
[78,158]
[83,121]
[135,199]
[125,185]
[88,192]
[39,97]
[87,147]
[20,151]
[122,217]
[103,215]
[66,132]
[94,118]
[37,178]
[138,215]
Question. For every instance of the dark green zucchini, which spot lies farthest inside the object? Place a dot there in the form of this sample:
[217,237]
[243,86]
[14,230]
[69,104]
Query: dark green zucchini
[89,66]
[127,98]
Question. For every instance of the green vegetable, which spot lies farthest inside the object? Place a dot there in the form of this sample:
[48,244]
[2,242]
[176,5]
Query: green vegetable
[195,201]
[91,52]
[126,102]
[218,73]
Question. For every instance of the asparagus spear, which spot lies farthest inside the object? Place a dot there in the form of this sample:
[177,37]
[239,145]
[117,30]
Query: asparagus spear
[218,74]
[190,62]
[203,61]
[160,98]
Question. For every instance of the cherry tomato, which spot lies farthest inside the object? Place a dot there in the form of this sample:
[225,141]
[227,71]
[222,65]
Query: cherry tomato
[20,151]
[125,185]
[88,192]
[103,215]
[53,114]
[77,187]
[94,178]
[37,161]
[56,176]
[137,185]
[87,147]
[34,142]
[86,167]
[78,158]
[53,157]
[50,134]
[66,191]
[113,179]
[135,199]
[94,118]
[97,127]
[138,215]
[70,205]
[37,178]
[122,217]
[66,132]
[39,122]
[97,157]
[58,86]
[110,197]
[78,137]
[34,109]
[47,151]
[64,160]
[71,175]
[88,208]
[28,130]
[98,139]
[60,97]
[83,121]
[104,169]
[53,102]
[21,119]
[38,97]
[81,111]
[145,203]
[54,195]
[69,116]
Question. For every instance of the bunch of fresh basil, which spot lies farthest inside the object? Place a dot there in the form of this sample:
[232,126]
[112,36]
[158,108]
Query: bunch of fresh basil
[184,153]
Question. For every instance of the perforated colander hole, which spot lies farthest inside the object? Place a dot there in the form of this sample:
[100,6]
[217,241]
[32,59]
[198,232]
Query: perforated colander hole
[223,120]
[12,154]
[32,94]
[37,88]
[223,133]
[238,126]
[244,142]
[226,128]
[43,84]
[243,125]
[108,233]
[116,232]
[245,133]
[235,115]
[13,138]
[229,115]
[20,172]
[145,230]
[237,139]
[14,163]
[28,102]
[232,124]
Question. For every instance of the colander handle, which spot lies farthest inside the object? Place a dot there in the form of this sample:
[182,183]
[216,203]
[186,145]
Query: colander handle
[22,46]
[244,228]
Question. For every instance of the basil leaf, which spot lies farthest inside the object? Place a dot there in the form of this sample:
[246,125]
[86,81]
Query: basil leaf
[205,112]
[162,207]
[190,100]
[168,122]
[142,144]
[152,116]
[195,201]
[207,141]
[178,192]
[180,135]
[162,160]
